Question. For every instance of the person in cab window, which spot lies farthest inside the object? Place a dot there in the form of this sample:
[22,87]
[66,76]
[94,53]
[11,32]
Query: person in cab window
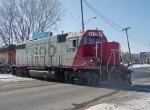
[74,43]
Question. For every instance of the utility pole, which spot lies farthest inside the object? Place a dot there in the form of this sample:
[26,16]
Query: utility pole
[126,29]
[82,15]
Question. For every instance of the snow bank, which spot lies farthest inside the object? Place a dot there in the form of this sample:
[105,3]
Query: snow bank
[140,103]
[143,103]
[106,106]
[11,78]
[139,66]
[6,76]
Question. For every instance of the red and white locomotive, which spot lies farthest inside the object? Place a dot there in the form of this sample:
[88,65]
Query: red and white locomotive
[78,57]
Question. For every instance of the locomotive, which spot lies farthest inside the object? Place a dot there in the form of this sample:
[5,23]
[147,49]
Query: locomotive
[75,57]
[7,58]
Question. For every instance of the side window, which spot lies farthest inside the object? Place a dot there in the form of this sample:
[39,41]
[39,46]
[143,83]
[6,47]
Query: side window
[73,43]
[85,40]
[91,40]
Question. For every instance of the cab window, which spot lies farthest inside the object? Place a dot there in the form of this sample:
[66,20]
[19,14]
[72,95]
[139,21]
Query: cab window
[85,40]
[91,40]
[73,43]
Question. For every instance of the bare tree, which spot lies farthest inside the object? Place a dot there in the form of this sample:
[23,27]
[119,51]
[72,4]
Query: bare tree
[19,19]
[6,20]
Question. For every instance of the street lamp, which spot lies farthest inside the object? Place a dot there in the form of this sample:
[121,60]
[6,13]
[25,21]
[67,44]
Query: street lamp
[89,20]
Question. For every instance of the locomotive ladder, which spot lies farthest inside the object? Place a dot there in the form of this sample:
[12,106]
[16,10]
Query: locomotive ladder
[101,59]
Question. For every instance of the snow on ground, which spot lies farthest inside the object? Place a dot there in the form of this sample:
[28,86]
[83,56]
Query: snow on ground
[139,66]
[12,78]
[140,103]
[106,106]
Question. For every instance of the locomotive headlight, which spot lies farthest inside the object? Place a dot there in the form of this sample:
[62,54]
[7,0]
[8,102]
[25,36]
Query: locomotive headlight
[98,59]
[91,60]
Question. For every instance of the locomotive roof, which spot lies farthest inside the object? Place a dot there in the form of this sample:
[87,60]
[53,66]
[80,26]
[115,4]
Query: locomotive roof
[11,47]
[75,34]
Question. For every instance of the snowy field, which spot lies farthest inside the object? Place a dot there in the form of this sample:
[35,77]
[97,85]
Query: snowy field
[12,78]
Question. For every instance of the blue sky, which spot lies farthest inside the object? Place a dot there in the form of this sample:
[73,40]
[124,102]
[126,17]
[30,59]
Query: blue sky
[125,13]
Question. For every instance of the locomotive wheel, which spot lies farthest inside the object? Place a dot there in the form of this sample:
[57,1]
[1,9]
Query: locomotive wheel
[73,77]
[60,76]
[2,70]
[66,74]
[19,73]
[24,72]
[94,79]
[13,71]
[82,78]
[76,80]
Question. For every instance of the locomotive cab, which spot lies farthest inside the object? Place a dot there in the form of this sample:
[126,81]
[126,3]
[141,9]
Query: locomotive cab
[73,41]
[89,48]
[94,49]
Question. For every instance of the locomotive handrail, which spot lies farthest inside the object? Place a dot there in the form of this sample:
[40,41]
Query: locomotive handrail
[100,69]
[112,52]
[108,61]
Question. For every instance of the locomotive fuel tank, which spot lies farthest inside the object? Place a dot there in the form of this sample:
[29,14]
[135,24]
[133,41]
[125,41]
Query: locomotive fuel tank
[42,74]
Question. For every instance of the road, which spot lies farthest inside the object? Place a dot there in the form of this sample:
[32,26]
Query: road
[136,97]
[32,94]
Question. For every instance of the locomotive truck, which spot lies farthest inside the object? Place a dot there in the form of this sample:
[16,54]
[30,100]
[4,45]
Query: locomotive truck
[75,57]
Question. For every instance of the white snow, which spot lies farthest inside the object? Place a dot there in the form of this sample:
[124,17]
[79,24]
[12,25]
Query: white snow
[106,106]
[141,103]
[12,78]
[139,66]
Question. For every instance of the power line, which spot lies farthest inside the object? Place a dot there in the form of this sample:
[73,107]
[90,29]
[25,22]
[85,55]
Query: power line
[114,25]
[103,17]
[73,17]
[138,41]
